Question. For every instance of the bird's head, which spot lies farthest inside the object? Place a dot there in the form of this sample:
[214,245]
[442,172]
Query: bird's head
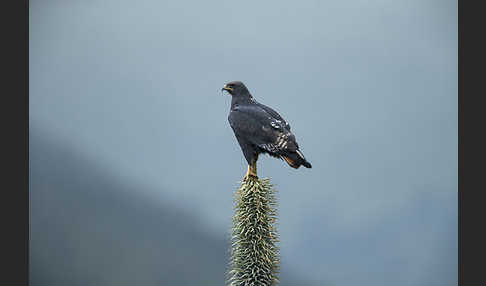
[236,88]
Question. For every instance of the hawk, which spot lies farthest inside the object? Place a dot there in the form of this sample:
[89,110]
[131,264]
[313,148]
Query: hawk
[260,129]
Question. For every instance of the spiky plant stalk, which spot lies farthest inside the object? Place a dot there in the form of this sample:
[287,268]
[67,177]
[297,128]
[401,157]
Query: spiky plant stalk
[254,253]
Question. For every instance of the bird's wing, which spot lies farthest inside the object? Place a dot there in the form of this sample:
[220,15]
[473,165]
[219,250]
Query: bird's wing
[275,115]
[250,123]
[259,128]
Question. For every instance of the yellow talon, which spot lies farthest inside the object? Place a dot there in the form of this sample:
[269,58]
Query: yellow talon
[252,171]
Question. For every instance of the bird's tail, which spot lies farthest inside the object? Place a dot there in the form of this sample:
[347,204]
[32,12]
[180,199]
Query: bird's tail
[296,159]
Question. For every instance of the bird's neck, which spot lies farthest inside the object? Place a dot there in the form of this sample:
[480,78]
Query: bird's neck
[242,99]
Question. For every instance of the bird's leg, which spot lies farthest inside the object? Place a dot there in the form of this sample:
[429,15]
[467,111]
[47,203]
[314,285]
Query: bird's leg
[252,169]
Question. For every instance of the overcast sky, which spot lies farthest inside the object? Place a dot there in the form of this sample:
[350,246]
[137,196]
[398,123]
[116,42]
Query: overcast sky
[369,88]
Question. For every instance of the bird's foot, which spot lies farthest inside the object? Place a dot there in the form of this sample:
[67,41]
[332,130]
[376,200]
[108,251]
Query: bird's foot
[250,173]
[247,177]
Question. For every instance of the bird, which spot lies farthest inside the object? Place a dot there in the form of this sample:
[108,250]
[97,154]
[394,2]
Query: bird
[260,129]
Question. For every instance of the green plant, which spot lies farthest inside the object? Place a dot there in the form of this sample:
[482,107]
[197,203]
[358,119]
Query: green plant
[254,253]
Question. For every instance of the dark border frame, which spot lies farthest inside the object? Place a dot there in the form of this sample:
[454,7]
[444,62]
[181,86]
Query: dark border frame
[470,172]
[15,143]
[15,207]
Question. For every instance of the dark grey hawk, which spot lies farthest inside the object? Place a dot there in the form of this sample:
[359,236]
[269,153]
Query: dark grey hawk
[260,129]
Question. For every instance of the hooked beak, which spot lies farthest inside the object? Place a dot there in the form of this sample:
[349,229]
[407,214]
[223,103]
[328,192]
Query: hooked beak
[226,87]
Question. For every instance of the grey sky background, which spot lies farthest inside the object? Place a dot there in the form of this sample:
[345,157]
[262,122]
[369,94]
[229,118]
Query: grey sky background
[369,88]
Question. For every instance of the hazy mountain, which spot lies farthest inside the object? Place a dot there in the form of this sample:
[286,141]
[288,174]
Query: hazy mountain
[89,227]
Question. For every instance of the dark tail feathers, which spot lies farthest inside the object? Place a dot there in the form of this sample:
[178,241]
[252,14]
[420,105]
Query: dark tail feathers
[296,159]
